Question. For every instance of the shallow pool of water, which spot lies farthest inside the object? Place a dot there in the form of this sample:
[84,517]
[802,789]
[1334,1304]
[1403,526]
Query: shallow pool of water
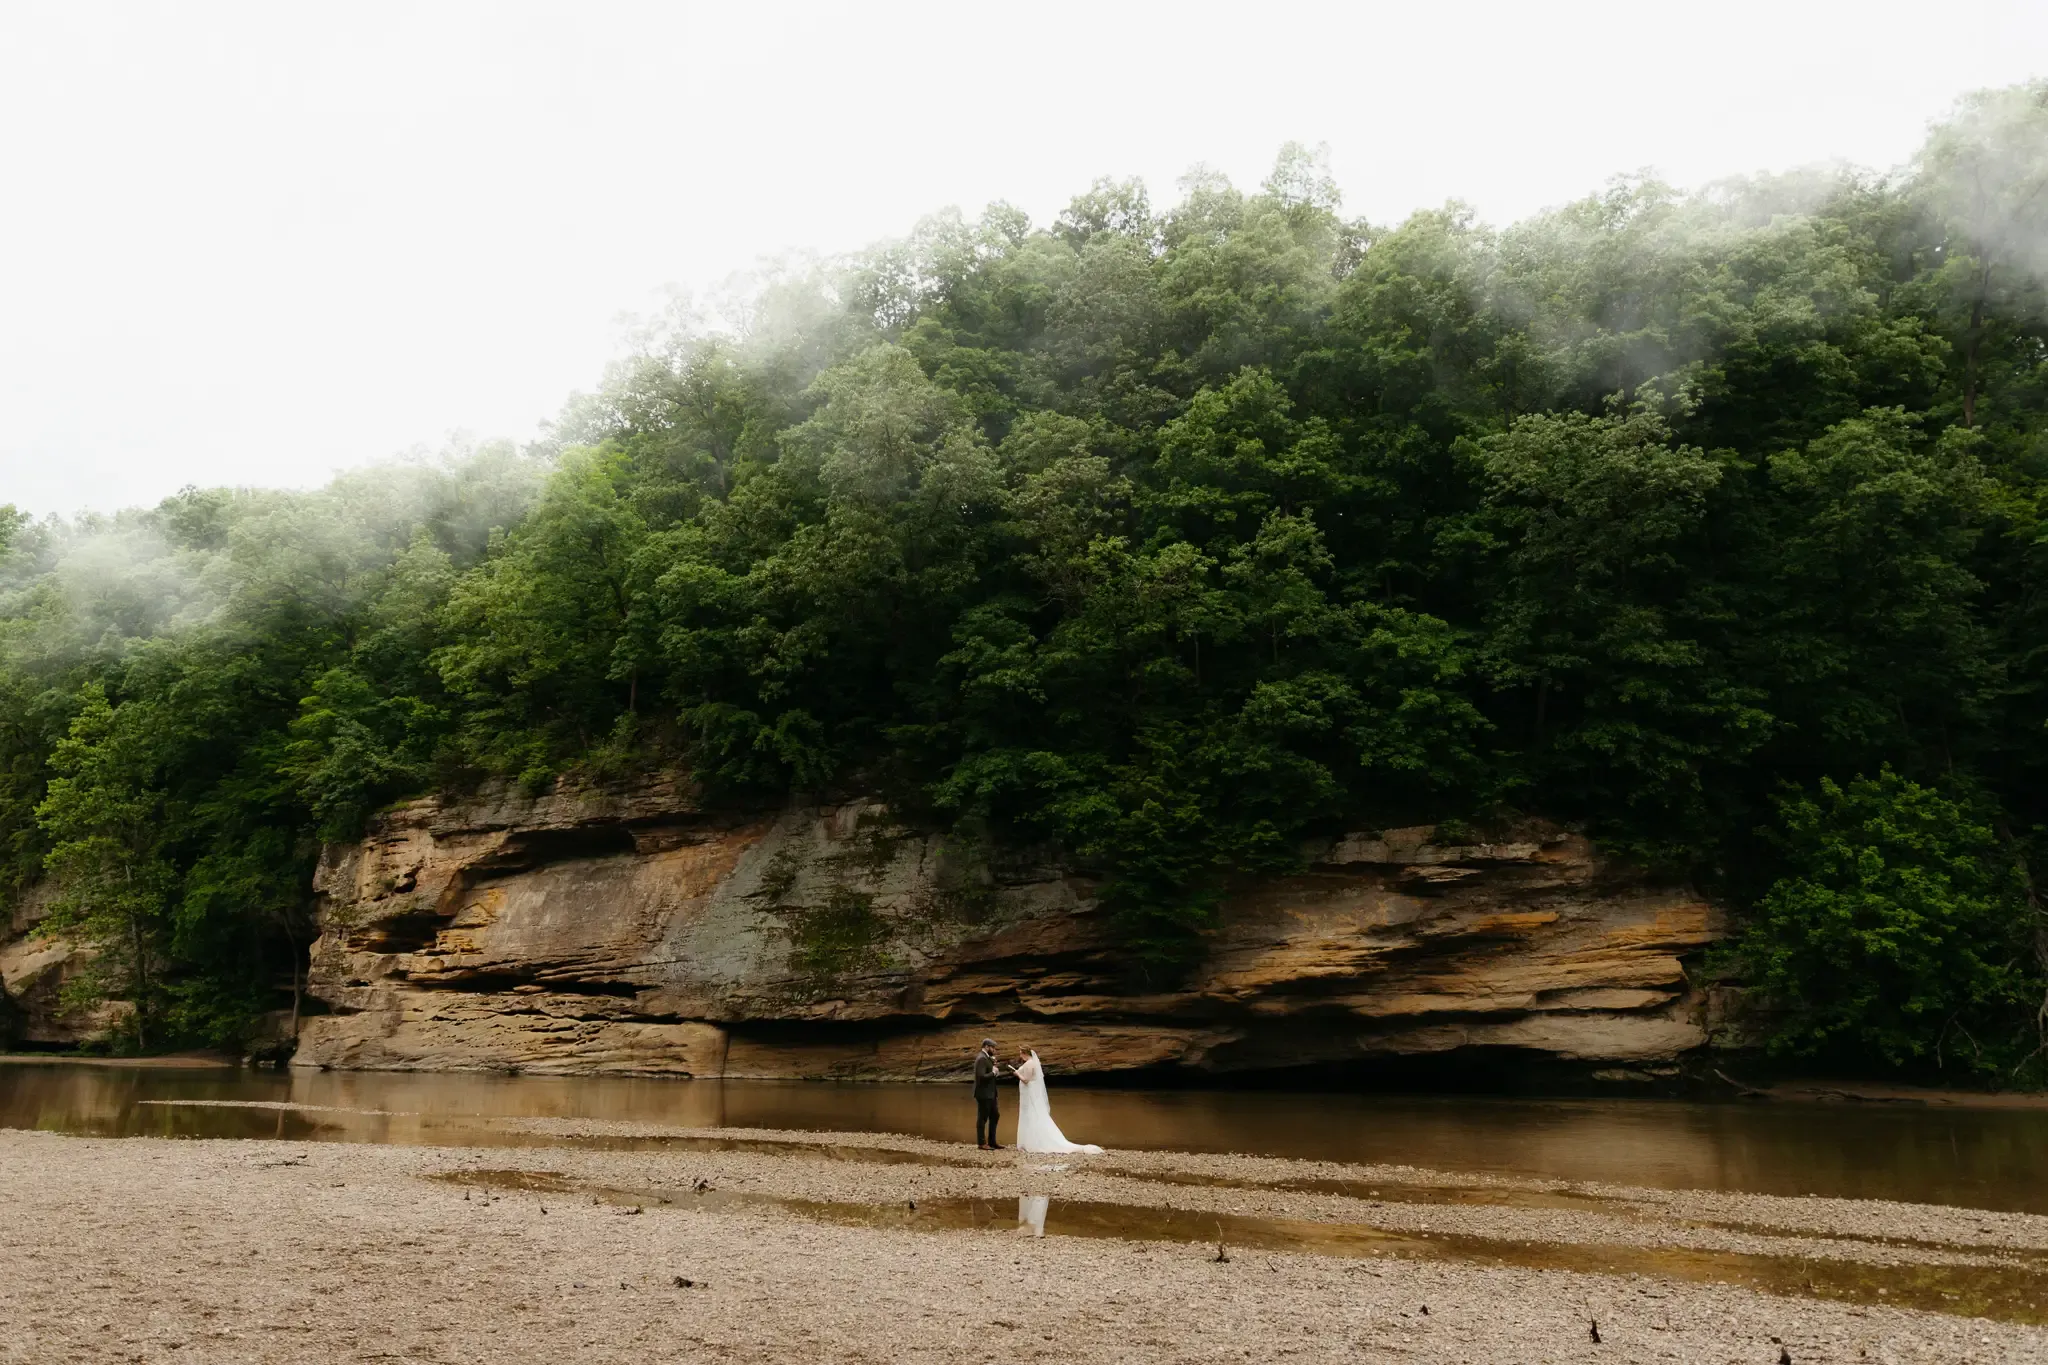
[1981,1158]
[2013,1290]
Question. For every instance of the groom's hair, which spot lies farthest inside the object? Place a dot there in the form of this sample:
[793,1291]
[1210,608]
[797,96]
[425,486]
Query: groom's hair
[988,1042]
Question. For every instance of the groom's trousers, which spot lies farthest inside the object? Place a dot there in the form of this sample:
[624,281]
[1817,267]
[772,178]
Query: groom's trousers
[985,1116]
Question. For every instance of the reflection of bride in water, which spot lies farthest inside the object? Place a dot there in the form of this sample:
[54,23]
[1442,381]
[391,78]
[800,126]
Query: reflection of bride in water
[1031,1211]
[1036,1132]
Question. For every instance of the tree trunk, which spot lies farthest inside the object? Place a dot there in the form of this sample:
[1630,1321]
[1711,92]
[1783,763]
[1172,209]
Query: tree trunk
[292,942]
[141,982]
[139,976]
[2039,915]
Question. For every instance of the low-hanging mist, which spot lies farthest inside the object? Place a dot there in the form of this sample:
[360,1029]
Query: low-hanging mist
[1172,536]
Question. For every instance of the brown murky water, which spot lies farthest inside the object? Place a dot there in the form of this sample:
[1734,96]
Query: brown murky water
[2010,1292]
[1991,1159]
[2014,1291]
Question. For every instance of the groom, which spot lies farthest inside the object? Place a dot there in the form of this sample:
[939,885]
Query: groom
[985,1111]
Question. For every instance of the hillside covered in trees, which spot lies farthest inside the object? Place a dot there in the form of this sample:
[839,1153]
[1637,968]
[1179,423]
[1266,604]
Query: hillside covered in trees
[1713,522]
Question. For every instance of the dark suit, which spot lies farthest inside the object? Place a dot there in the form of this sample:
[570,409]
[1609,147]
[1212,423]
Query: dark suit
[985,1111]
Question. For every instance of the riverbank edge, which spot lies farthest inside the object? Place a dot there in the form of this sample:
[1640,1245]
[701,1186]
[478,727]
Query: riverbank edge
[1802,1091]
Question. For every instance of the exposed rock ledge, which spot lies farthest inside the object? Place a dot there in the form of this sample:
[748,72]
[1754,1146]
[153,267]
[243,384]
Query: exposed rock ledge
[631,930]
[34,971]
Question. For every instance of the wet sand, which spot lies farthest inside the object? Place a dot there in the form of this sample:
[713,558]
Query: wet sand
[863,1248]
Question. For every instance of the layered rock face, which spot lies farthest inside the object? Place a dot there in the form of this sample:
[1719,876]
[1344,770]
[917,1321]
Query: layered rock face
[632,930]
[34,971]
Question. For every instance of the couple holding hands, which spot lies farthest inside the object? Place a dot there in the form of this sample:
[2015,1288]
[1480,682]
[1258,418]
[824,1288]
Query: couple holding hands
[1036,1132]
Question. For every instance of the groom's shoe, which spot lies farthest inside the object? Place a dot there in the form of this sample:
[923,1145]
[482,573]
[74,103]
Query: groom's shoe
[995,1146]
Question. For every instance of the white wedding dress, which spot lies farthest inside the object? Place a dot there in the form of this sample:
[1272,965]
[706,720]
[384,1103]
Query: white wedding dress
[1036,1132]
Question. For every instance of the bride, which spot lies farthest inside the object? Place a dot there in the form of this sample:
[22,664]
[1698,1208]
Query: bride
[1036,1132]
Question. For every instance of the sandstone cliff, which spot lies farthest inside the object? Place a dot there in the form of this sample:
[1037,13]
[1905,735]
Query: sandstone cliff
[632,930]
[34,971]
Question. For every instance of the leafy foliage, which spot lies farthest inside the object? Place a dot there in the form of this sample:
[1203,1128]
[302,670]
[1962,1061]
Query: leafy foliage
[1898,933]
[1173,535]
[104,815]
[195,694]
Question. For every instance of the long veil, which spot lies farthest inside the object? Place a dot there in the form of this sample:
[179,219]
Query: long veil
[1036,1132]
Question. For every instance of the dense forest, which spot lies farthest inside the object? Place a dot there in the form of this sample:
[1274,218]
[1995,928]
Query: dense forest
[1711,522]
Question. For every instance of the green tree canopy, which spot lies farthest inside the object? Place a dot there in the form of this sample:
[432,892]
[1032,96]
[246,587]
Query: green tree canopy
[1173,535]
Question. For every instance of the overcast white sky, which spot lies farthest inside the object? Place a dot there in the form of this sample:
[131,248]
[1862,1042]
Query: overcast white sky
[256,243]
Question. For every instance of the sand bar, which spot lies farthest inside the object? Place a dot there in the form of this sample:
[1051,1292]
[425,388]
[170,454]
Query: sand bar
[232,1251]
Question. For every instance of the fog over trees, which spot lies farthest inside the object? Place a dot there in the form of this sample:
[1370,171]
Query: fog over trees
[1172,534]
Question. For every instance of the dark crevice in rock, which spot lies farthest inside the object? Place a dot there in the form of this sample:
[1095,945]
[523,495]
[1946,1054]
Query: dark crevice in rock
[404,933]
[536,848]
[502,983]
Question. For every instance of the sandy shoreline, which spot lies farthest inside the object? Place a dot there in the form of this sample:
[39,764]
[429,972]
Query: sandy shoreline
[810,1249]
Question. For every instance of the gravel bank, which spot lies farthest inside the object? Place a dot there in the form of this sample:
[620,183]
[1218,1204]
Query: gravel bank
[144,1250]
[1403,1197]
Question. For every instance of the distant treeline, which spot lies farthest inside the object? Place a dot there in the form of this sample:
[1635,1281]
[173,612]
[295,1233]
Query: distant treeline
[1173,535]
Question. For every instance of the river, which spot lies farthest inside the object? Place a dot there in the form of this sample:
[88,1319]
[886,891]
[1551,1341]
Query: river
[1978,1158]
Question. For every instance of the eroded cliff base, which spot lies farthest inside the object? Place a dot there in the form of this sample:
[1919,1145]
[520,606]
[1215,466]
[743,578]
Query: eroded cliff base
[631,929]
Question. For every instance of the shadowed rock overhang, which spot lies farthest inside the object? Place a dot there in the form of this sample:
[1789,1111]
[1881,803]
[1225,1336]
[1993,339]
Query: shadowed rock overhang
[631,929]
